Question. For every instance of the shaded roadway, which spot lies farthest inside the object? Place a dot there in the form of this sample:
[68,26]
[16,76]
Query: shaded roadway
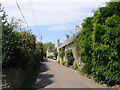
[54,75]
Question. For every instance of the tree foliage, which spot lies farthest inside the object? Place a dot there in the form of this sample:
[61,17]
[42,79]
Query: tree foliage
[55,53]
[99,42]
[38,54]
[48,45]
[19,49]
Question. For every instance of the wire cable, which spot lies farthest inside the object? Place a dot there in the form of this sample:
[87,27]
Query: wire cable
[21,13]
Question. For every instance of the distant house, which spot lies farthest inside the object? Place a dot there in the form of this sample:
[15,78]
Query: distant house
[50,52]
[67,45]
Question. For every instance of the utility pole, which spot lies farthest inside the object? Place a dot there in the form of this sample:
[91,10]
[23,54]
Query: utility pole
[41,38]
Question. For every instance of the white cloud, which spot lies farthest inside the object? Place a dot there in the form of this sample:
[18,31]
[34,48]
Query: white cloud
[49,12]
[60,27]
[59,13]
[57,1]
[55,15]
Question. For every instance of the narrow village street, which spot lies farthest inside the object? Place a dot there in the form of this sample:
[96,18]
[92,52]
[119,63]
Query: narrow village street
[54,75]
[59,44]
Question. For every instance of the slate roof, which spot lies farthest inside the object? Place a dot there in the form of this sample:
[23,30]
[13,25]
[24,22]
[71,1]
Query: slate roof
[70,40]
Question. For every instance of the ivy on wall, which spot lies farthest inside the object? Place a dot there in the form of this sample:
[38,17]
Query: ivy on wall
[70,57]
[99,43]
[61,52]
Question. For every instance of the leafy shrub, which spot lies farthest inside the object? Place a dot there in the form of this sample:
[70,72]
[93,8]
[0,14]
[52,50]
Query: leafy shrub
[55,53]
[69,56]
[99,42]
[18,48]
[50,57]
[58,62]
[61,52]
[9,46]
[38,54]
[65,63]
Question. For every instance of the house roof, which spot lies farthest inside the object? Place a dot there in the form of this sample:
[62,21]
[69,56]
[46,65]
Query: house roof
[70,40]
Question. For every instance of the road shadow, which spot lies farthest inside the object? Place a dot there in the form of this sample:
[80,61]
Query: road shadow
[45,60]
[43,68]
[43,78]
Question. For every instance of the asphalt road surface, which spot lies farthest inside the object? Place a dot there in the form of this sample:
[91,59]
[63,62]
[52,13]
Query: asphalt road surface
[54,75]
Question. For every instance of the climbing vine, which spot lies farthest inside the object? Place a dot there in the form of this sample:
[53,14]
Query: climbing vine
[70,58]
[61,52]
[99,43]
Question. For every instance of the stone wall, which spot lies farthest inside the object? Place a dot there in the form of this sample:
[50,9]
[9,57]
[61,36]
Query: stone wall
[14,78]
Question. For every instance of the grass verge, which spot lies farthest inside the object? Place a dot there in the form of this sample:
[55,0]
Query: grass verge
[58,62]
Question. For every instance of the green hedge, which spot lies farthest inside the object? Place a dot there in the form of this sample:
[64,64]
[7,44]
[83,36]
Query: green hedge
[100,44]
[50,57]
[19,49]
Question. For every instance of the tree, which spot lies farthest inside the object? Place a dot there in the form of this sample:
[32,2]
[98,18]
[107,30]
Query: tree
[9,42]
[18,48]
[48,45]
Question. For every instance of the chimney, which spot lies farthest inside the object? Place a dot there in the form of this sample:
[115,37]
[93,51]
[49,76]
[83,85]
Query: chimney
[58,42]
[67,36]
[77,28]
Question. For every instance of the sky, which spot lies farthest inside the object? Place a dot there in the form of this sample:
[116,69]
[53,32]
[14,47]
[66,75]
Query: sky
[52,19]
